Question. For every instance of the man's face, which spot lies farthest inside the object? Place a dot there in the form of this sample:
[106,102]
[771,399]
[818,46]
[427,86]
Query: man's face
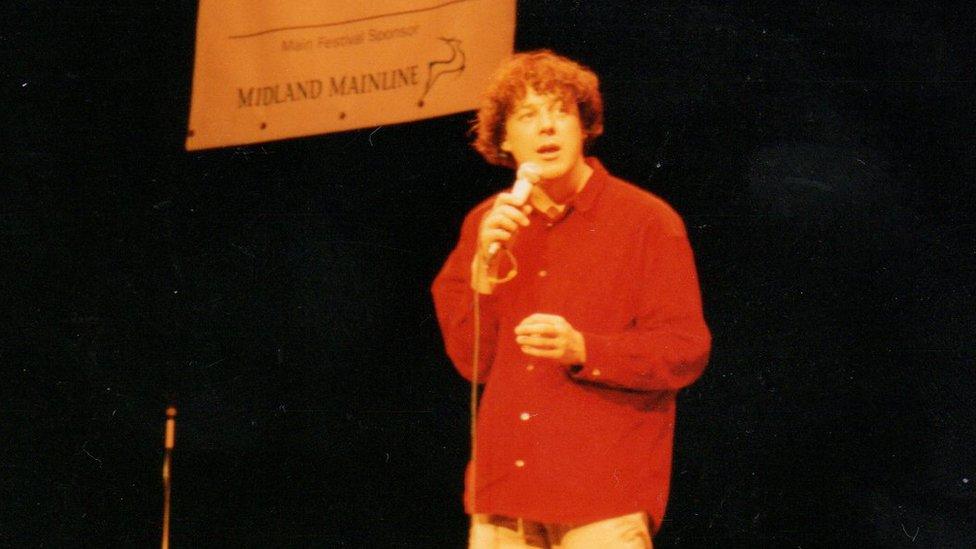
[544,130]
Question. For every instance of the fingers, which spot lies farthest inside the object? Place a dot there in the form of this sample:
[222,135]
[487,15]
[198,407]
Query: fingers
[506,202]
[508,198]
[549,336]
[536,328]
[543,318]
[511,212]
[538,342]
[496,235]
[543,324]
[499,220]
[542,335]
[543,353]
[502,221]
[506,221]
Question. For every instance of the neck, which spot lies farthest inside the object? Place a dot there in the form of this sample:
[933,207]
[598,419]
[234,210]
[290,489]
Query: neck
[561,189]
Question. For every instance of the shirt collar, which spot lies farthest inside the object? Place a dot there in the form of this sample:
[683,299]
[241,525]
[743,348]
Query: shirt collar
[541,203]
[586,198]
[581,201]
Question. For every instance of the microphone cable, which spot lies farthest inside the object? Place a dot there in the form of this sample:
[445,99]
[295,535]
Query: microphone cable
[475,358]
[168,444]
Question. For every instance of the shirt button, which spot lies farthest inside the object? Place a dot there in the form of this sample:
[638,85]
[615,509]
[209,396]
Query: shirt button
[596,372]
[549,224]
[524,416]
[519,463]
[530,367]
[543,273]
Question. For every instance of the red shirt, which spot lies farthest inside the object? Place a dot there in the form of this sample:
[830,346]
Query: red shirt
[586,442]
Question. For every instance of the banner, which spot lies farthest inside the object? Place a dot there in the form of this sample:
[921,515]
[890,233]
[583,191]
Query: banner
[274,70]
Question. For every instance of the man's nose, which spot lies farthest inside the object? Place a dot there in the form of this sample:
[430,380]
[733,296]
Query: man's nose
[546,122]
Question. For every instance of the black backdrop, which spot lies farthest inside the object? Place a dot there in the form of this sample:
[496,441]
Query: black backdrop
[822,157]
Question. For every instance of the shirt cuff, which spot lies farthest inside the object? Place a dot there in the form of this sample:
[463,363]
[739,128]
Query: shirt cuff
[590,369]
[582,371]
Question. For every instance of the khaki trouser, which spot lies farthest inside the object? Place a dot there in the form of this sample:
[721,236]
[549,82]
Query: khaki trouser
[498,532]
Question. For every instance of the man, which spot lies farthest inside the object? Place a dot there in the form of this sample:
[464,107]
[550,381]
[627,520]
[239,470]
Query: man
[590,321]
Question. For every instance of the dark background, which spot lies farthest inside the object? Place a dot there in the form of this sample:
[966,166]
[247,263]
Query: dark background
[821,155]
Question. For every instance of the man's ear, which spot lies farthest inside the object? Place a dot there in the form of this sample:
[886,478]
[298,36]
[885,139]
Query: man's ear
[504,146]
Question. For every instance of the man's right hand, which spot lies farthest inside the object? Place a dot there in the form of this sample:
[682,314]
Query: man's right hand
[501,222]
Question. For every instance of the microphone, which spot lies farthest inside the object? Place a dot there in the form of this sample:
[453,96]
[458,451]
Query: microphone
[526,176]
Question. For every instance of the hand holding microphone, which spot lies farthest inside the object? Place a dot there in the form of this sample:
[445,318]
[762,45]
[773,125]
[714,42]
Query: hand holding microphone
[508,213]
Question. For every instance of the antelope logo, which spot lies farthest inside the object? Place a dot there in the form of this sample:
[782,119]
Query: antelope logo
[435,69]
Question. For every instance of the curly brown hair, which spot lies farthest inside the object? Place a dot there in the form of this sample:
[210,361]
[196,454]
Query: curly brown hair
[546,73]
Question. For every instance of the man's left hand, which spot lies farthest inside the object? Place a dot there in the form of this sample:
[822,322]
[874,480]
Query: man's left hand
[550,336]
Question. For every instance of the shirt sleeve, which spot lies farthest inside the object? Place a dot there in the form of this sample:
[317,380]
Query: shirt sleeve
[667,343]
[454,303]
